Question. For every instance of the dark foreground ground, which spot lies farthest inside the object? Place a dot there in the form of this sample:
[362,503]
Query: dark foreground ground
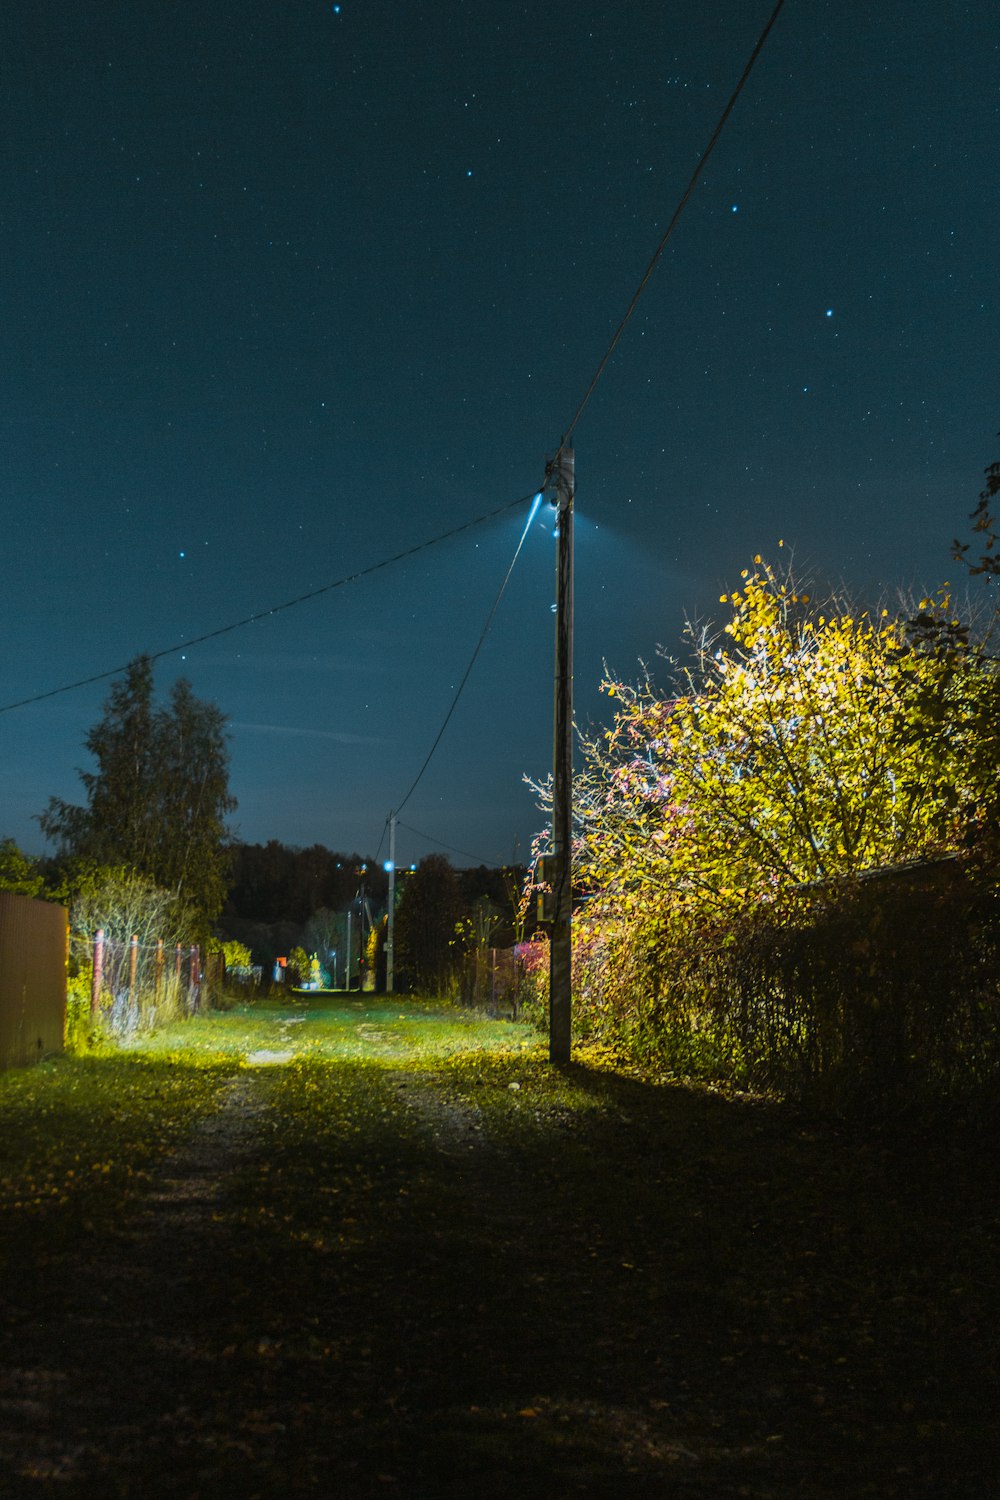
[403,1257]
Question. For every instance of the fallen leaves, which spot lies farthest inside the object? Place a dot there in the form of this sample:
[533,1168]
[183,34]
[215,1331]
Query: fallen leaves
[574,1277]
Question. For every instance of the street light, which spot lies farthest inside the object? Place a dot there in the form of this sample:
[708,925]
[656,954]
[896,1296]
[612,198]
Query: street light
[561,945]
[390,926]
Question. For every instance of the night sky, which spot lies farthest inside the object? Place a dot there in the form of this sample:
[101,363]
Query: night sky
[288,288]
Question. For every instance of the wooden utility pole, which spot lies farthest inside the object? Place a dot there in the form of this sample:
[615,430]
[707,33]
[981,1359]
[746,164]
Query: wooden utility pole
[561,950]
[390,929]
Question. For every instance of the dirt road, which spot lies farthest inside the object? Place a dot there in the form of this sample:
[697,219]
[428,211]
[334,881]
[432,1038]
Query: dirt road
[393,1253]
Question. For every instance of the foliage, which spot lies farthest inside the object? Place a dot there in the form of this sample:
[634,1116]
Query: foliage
[127,904]
[428,909]
[192,779]
[159,795]
[805,748]
[478,971]
[325,933]
[859,994]
[475,932]
[951,710]
[298,966]
[235,955]
[81,1032]
[984,524]
[273,882]
[19,873]
[500,888]
[531,997]
[375,955]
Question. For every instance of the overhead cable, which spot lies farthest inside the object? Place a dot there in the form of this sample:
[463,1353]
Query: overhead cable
[275,609]
[465,853]
[536,501]
[699,169]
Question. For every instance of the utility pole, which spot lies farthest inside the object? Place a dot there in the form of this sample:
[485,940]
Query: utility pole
[361,932]
[561,949]
[390,930]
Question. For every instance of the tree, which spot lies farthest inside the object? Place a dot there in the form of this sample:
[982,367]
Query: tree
[500,888]
[804,744]
[127,904]
[984,523]
[325,933]
[429,907]
[273,882]
[193,780]
[18,872]
[722,833]
[117,825]
[159,795]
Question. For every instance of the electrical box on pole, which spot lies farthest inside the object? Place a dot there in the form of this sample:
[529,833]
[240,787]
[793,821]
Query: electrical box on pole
[561,947]
[545,875]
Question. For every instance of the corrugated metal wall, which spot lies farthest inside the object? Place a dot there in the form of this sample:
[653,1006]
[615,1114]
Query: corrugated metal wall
[32,979]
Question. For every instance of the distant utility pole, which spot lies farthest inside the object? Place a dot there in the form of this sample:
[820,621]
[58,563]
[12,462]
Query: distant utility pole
[561,950]
[390,930]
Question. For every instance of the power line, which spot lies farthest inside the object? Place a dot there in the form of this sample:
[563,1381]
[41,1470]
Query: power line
[536,501]
[647,274]
[615,338]
[264,614]
[466,853]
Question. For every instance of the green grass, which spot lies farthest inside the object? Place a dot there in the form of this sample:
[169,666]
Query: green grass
[340,1027]
[435,1254]
[79,1135]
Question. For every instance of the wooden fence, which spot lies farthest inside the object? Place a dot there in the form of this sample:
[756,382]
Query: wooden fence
[33,937]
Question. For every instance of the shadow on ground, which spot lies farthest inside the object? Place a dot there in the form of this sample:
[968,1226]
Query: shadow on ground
[381,1276]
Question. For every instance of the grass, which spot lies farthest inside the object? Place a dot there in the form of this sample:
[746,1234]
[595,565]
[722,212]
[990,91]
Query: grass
[80,1136]
[340,1027]
[435,1255]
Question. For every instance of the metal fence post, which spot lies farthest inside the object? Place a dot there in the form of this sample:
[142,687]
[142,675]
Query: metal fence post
[98,972]
[133,965]
[193,979]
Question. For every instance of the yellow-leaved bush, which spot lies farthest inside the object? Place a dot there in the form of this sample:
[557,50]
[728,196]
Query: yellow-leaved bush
[806,744]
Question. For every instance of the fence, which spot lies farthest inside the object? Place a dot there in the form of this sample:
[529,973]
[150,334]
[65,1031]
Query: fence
[493,979]
[135,985]
[877,990]
[32,979]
